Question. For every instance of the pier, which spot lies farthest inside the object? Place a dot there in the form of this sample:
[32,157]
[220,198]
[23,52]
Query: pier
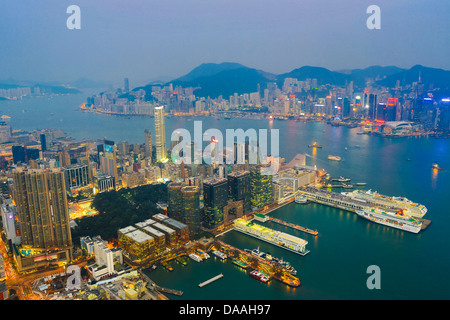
[210,280]
[294,226]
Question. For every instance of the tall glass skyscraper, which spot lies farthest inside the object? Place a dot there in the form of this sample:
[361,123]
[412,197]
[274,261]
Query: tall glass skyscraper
[191,208]
[215,197]
[261,187]
[160,134]
[239,189]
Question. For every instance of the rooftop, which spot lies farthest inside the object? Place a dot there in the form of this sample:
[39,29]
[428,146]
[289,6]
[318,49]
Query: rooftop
[139,236]
[163,227]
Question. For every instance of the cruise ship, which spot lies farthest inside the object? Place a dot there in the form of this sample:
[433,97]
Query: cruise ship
[398,220]
[219,254]
[195,257]
[373,198]
[277,238]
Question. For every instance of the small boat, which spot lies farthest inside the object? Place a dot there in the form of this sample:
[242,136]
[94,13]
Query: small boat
[361,183]
[335,158]
[436,167]
[347,186]
[343,179]
[314,145]
[346,149]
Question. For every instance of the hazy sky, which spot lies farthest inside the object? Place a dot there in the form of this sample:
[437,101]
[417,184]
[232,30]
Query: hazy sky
[150,39]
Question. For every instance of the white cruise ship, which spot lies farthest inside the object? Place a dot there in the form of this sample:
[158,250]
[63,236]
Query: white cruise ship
[389,203]
[398,220]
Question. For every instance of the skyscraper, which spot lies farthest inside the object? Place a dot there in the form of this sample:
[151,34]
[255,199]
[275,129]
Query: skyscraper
[148,144]
[175,208]
[239,189]
[108,160]
[260,187]
[191,208]
[43,142]
[215,197]
[42,208]
[161,152]
[126,85]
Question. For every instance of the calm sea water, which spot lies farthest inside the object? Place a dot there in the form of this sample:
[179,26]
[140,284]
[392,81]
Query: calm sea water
[413,266]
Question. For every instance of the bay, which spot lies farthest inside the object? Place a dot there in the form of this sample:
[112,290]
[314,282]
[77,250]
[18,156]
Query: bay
[413,266]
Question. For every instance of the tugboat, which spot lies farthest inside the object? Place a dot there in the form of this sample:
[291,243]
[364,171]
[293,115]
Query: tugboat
[314,145]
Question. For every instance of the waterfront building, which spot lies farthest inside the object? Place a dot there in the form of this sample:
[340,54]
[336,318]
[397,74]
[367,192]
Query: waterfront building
[161,152]
[277,238]
[137,244]
[170,234]
[239,188]
[215,197]
[160,238]
[181,229]
[260,187]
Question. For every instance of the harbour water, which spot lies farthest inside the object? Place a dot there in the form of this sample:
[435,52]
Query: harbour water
[413,266]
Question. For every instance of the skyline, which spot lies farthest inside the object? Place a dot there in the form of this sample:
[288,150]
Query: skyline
[262,35]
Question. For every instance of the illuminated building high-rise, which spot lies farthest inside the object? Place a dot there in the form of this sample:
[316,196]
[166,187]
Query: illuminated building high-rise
[191,208]
[443,116]
[260,187]
[108,160]
[175,208]
[148,144]
[239,189]
[161,152]
[215,197]
[41,200]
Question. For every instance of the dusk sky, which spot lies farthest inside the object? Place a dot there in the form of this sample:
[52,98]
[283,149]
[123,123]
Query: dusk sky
[164,39]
